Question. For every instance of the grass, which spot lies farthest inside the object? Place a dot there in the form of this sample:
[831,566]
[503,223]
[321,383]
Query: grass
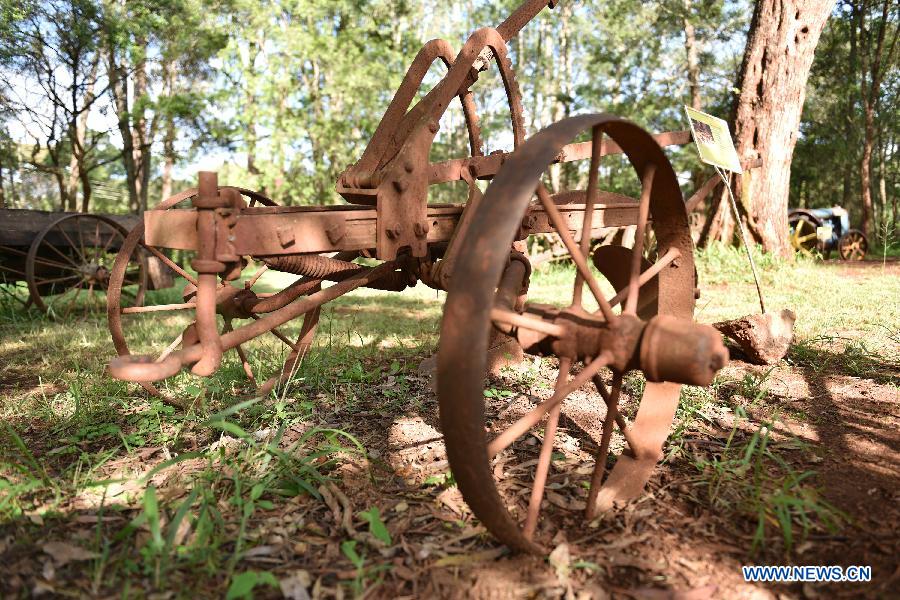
[754,476]
[74,443]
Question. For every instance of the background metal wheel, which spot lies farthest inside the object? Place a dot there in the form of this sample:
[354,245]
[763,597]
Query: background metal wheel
[484,450]
[853,245]
[69,265]
[162,328]
[803,232]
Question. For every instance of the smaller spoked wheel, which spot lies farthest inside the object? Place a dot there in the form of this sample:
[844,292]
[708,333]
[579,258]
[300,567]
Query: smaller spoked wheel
[169,324]
[520,460]
[69,265]
[803,236]
[853,245]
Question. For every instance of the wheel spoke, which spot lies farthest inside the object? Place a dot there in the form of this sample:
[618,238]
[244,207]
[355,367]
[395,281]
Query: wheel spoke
[241,354]
[170,348]
[81,240]
[577,257]
[52,263]
[72,302]
[304,342]
[612,409]
[259,273]
[654,269]
[585,242]
[274,331]
[509,317]
[158,307]
[56,279]
[638,251]
[11,250]
[543,466]
[532,417]
[169,262]
[11,270]
[114,235]
[72,244]
[64,257]
[620,420]
[246,364]
[96,245]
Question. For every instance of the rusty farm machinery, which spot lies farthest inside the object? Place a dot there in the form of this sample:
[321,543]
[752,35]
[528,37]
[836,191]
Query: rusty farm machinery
[64,261]
[471,250]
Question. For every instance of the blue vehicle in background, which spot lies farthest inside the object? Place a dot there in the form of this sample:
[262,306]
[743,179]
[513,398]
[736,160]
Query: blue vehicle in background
[826,229]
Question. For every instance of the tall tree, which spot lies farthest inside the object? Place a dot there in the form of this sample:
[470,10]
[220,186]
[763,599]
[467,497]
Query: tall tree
[50,61]
[876,43]
[766,114]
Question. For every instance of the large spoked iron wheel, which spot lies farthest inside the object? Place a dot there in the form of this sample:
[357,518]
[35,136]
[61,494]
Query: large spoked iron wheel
[492,452]
[853,245]
[163,328]
[69,265]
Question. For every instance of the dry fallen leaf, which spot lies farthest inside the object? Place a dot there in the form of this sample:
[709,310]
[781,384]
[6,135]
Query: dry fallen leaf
[296,585]
[561,560]
[452,499]
[475,557]
[64,553]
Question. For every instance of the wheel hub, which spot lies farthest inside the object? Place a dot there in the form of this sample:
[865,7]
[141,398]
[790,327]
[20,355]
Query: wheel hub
[665,348]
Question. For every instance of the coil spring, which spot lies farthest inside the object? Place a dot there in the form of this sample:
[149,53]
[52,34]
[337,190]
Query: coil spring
[333,269]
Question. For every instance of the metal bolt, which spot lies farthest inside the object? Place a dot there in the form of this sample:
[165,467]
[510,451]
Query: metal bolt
[434,126]
[421,229]
[408,165]
[394,232]
[676,262]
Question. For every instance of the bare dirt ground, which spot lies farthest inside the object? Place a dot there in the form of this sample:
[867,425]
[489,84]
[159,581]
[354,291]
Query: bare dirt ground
[825,409]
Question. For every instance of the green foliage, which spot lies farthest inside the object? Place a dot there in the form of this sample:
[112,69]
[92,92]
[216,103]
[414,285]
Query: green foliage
[242,585]
[291,92]
[826,165]
[753,476]
[376,525]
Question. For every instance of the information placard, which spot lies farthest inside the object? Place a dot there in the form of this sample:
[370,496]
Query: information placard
[713,140]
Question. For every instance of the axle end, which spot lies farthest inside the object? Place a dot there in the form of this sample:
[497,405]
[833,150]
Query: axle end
[681,351]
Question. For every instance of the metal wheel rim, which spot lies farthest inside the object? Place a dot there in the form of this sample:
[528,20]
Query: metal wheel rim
[803,242]
[131,243]
[32,258]
[853,246]
[466,322]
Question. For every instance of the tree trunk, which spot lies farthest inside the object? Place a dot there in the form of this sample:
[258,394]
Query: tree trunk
[78,133]
[882,185]
[118,89]
[170,71]
[874,63]
[693,61]
[2,185]
[692,57]
[142,133]
[168,158]
[85,190]
[779,54]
